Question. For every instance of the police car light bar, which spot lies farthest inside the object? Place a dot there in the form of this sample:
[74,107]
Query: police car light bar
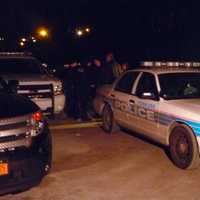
[15,54]
[169,64]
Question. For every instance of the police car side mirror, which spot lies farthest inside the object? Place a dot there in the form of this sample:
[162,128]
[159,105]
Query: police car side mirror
[149,95]
[163,95]
[13,86]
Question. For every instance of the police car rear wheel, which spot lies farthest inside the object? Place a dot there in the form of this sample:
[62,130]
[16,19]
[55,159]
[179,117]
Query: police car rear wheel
[109,124]
[184,148]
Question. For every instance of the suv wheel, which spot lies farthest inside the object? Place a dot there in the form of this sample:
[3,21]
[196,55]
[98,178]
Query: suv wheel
[184,148]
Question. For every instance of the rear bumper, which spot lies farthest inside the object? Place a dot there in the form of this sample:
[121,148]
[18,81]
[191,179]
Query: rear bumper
[26,167]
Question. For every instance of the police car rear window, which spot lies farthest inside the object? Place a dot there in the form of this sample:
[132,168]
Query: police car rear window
[180,85]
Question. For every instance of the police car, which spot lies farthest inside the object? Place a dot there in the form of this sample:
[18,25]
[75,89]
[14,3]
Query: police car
[34,80]
[160,100]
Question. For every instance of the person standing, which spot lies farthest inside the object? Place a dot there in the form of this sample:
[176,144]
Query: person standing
[81,93]
[71,94]
[97,75]
[124,67]
[111,69]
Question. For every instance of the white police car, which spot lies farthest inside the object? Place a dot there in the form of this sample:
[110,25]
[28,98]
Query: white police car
[161,101]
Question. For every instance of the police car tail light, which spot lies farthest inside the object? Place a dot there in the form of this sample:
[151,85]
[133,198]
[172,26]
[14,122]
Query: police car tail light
[36,124]
[58,89]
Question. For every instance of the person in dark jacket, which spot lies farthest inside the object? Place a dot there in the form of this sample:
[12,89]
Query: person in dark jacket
[81,93]
[95,75]
[69,88]
[111,69]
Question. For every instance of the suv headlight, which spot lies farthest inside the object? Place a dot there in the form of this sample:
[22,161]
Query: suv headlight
[36,123]
[58,89]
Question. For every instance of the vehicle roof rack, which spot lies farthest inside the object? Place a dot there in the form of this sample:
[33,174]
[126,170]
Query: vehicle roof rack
[16,54]
[169,64]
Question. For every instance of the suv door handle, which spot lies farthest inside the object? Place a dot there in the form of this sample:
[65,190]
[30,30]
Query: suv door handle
[131,101]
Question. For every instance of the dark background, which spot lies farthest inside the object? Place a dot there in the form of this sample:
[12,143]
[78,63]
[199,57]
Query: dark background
[133,30]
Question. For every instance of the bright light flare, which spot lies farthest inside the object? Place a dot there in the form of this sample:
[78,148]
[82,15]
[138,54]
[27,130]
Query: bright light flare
[23,39]
[87,30]
[43,33]
[79,32]
[22,44]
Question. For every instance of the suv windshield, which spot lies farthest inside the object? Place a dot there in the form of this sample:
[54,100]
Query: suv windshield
[3,86]
[180,85]
[20,66]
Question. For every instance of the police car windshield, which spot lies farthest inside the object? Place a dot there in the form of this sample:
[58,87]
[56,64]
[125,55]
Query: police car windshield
[180,85]
[20,66]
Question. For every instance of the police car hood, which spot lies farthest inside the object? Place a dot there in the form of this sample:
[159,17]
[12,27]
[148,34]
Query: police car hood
[14,106]
[31,78]
[189,105]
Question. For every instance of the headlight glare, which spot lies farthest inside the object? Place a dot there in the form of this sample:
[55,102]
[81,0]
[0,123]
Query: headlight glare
[58,89]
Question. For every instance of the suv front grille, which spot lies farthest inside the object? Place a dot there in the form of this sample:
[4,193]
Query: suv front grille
[15,132]
[12,138]
[12,126]
[36,91]
[15,144]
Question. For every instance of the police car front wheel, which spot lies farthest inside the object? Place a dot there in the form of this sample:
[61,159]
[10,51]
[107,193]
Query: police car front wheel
[109,124]
[184,148]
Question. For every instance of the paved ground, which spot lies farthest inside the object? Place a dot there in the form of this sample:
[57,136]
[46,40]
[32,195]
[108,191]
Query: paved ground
[90,165]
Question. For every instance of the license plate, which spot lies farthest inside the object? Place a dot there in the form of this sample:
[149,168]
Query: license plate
[3,169]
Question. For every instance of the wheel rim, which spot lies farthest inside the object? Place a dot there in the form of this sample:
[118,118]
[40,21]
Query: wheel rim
[181,149]
[107,119]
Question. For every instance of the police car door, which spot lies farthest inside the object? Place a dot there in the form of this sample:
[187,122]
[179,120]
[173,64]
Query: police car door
[147,105]
[121,95]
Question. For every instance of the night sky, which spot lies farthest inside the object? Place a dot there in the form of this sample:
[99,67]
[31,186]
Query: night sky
[134,30]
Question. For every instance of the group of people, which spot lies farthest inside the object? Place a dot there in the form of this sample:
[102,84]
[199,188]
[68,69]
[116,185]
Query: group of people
[81,81]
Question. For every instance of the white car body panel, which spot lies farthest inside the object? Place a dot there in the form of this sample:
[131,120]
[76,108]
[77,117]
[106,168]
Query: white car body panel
[151,118]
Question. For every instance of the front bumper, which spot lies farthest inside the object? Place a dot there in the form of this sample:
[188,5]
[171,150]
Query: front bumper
[46,103]
[26,166]
[23,174]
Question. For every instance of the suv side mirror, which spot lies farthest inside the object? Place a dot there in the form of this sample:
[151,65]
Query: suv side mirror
[13,86]
[44,65]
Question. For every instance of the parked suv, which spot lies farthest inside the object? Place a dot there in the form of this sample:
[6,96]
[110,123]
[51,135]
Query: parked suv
[34,81]
[25,142]
[160,101]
